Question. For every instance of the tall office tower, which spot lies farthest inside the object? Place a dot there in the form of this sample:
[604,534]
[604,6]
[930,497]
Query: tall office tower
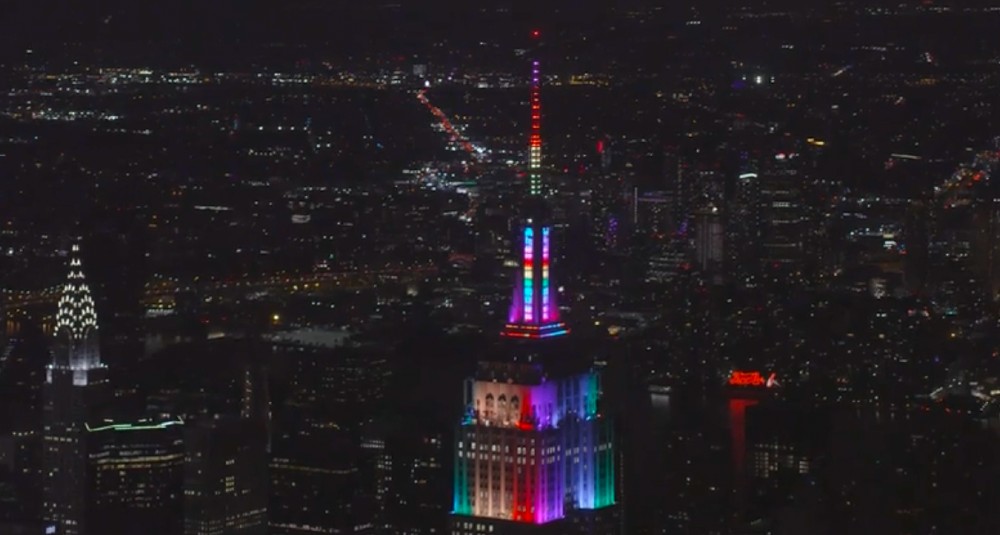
[985,245]
[4,322]
[708,239]
[120,248]
[605,198]
[745,389]
[782,212]
[782,447]
[255,399]
[916,244]
[608,208]
[742,219]
[329,369]
[376,474]
[653,214]
[225,478]
[136,473]
[421,479]
[533,453]
[320,482]
[680,183]
[75,385]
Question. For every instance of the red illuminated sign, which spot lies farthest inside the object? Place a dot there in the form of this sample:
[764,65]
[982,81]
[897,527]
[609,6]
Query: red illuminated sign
[755,379]
[746,379]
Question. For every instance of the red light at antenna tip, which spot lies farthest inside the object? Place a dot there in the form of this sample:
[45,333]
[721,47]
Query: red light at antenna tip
[536,33]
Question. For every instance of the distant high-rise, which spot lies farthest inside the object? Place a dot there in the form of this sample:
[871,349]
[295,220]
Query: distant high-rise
[782,212]
[76,383]
[225,478]
[3,323]
[916,242]
[421,478]
[743,226]
[709,238]
[321,481]
[376,471]
[136,472]
[985,245]
[653,215]
[679,182]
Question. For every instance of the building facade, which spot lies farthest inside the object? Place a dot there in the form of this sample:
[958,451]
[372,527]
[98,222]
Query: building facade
[531,449]
[136,473]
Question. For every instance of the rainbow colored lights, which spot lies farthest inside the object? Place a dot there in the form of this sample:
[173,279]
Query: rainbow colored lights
[535,136]
[528,278]
[533,311]
[546,304]
[514,330]
[529,447]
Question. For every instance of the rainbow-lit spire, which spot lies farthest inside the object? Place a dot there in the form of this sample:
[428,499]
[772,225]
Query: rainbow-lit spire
[534,312]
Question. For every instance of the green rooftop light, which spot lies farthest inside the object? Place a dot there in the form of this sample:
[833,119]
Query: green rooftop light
[139,426]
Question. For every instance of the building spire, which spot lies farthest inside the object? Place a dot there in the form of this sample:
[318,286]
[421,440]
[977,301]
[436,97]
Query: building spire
[535,136]
[533,311]
[76,319]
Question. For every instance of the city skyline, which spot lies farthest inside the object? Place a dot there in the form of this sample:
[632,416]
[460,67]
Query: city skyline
[400,268]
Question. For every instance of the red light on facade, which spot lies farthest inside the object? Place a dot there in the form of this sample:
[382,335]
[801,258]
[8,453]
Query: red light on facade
[746,379]
[600,146]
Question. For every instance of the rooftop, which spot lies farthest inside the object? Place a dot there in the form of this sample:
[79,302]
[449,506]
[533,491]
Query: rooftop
[321,337]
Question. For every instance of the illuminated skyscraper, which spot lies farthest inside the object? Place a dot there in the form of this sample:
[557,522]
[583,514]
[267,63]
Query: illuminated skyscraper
[530,448]
[75,383]
[533,452]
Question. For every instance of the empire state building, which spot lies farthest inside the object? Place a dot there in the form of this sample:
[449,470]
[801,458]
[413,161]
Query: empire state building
[534,454]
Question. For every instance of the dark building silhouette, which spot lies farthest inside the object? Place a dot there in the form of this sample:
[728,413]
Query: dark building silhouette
[136,471]
[225,478]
